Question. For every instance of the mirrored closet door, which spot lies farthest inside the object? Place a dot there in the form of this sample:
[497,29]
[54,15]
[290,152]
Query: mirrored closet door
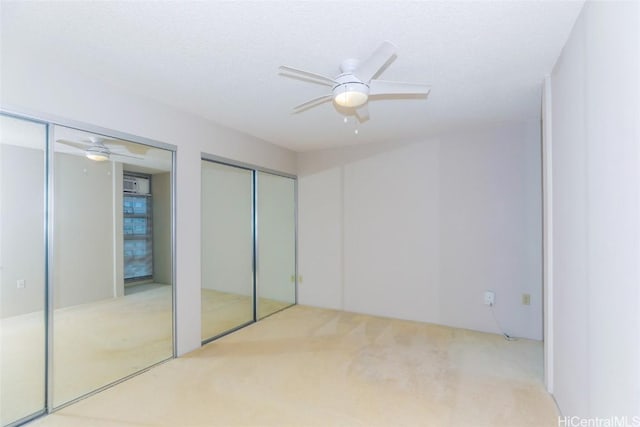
[227,248]
[248,245]
[86,263]
[111,261]
[22,268]
[276,249]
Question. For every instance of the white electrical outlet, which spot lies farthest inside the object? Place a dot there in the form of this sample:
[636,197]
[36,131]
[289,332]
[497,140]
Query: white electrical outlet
[489,298]
[21,283]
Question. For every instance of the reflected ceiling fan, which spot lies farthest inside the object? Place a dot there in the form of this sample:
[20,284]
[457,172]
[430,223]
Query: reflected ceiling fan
[101,149]
[352,88]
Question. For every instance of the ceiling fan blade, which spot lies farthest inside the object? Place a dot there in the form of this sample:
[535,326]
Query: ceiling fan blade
[362,113]
[384,87]
[319,77]
[116,155]
[313,102]
[79,145]
[130,147]
[370,67]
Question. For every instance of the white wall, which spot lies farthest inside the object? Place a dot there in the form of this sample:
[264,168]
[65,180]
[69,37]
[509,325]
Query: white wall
[83,261]
[118,226]
[30,84]
[227,234]
[83,267]
[596,214]
[320,252]
[22,226]
[161,193]
[419,231]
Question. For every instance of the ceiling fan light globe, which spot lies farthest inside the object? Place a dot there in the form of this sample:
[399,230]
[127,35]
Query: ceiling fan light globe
[351,94]
[97,154]
[350,99]
[97,157]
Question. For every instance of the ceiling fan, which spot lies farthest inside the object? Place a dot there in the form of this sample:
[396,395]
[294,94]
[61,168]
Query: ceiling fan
[355,84]
[101,149]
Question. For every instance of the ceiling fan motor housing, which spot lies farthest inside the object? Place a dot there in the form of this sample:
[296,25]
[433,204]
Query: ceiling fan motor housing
[98,152]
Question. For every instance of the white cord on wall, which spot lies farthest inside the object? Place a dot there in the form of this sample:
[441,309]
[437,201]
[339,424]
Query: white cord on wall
[504,334]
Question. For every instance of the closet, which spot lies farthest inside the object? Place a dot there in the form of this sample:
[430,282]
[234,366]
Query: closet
[248,240]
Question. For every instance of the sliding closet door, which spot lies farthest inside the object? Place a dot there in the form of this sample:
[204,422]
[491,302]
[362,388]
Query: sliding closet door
[22,268]
[112,261]
[227,248]
[276,200]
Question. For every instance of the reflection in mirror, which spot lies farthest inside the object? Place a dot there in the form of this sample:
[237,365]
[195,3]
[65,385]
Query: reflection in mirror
[227,248]
[112,261]
[276,286]
[22,268]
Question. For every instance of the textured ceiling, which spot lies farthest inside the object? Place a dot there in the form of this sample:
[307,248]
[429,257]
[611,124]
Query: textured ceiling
[219,60]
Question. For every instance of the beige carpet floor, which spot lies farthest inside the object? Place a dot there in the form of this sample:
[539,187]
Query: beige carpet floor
[312,367]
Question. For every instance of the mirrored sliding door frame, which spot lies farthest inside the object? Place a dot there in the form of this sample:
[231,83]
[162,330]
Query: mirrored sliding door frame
[256,261]
[243,165]
[50,121]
